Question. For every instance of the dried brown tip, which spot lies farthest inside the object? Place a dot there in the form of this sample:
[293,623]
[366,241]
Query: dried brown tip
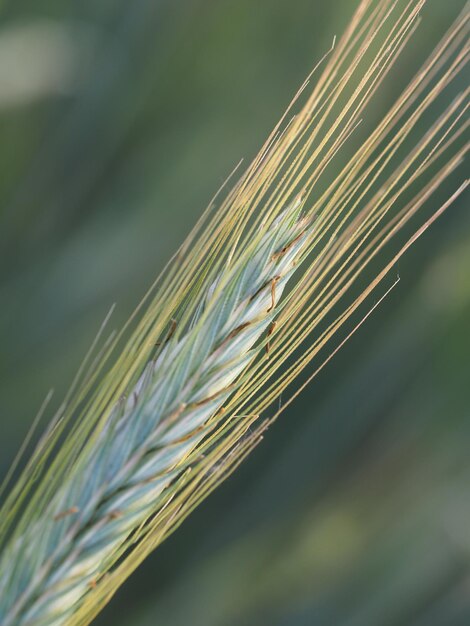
[273,292]
[62,514]
[191,434]
[171,332]
[176,413]
[234,333]
[213,396]
[287,247]
[270,331]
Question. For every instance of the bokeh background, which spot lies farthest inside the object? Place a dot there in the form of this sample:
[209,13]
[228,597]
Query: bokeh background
[118,121]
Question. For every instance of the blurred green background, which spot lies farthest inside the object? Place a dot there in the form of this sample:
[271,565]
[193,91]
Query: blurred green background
[118,122]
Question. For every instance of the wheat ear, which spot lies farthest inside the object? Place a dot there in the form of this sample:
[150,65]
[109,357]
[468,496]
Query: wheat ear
[149,435]
[114,477]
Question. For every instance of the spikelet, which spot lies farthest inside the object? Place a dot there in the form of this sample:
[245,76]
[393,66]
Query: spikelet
[166,424]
